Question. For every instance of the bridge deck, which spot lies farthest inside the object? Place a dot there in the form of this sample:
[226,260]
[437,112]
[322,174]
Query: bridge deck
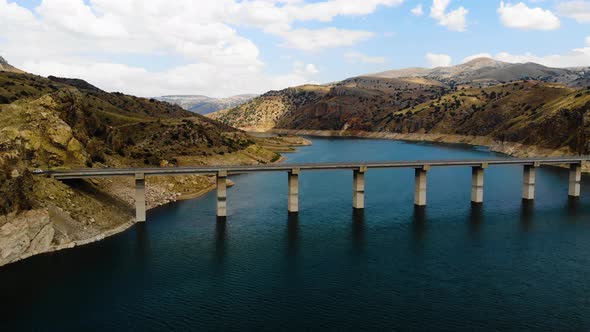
[232,169]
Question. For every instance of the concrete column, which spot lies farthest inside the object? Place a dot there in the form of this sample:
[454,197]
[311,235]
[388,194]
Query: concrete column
[420,186]
[528,182]
[293,200]
[222,194]
[358,188]
[477,183]
[140,197]
[574,180]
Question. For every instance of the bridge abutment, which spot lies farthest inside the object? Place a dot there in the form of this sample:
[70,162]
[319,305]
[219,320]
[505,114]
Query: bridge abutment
[358,188]
[221,193]
[293,200]
[140,205]
[529,181]
[420,185]
[575,177]
[477,176]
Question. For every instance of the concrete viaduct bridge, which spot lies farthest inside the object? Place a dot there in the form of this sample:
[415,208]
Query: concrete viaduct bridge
[358,171]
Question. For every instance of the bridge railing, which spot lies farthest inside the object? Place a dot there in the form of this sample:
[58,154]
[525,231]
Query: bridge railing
[359,169]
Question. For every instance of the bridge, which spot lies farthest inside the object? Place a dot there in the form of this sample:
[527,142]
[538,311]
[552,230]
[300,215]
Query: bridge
[359,169]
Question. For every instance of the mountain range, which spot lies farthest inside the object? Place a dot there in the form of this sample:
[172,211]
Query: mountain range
[486,71]
[203,104]
[519,103]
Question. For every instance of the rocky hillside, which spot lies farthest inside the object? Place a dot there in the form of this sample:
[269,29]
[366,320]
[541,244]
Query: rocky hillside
[66,123]
[344,100]
[5,66]
[449,101]
[205,105]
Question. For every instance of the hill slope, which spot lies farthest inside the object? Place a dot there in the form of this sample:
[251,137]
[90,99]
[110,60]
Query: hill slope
[68,123]
[547,115]
[5,66]
[343,100]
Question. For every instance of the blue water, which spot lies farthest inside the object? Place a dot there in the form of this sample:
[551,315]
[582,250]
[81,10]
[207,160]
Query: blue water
[503,266]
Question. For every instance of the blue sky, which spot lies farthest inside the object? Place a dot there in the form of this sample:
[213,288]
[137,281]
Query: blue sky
[225,47]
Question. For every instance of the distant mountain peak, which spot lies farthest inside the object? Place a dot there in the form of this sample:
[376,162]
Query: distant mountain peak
[487,71]
[482,60]
[203,105]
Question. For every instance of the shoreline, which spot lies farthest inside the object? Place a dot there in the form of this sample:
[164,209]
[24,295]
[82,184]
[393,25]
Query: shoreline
[125,226]
[507,148]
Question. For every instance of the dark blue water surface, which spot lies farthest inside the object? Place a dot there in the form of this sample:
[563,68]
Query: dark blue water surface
[503,266]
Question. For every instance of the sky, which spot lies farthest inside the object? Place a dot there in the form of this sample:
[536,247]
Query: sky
[221,48]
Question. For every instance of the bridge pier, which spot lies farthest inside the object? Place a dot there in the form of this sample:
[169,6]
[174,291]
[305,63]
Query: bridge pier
[574,180]
[140,206]
[221,193]
[528,181]
[477,173]
[358,188]
[420,185]
[293,199]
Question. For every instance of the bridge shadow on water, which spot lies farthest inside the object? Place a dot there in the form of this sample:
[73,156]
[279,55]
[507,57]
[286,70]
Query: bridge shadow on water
[220,241]
[292,234]
[572,207]
[527,214]
[358,230]
[476,218]
[419,223]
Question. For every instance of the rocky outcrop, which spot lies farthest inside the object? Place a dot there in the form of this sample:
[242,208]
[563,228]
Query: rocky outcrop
[40,135]
[25,234]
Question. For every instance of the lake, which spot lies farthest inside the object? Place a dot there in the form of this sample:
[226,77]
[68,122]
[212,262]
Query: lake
[506,265]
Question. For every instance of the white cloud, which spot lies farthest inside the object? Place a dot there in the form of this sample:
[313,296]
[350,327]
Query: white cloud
[418,11]
[282,13]
[303,69]
[476,56]
[277,20]
[313,40]
[520,16]
[190,79]
[438,60]
[358,57]
[13,18]
[77,38]
[579,10]
[455,20]
[578,57]
[80,19]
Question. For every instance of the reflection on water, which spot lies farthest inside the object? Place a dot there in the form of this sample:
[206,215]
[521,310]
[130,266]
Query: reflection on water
[143,240]
[419,223]
[475,218]
[572,206]
[527,213]
[220,239]
[358,230]
[292,233]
